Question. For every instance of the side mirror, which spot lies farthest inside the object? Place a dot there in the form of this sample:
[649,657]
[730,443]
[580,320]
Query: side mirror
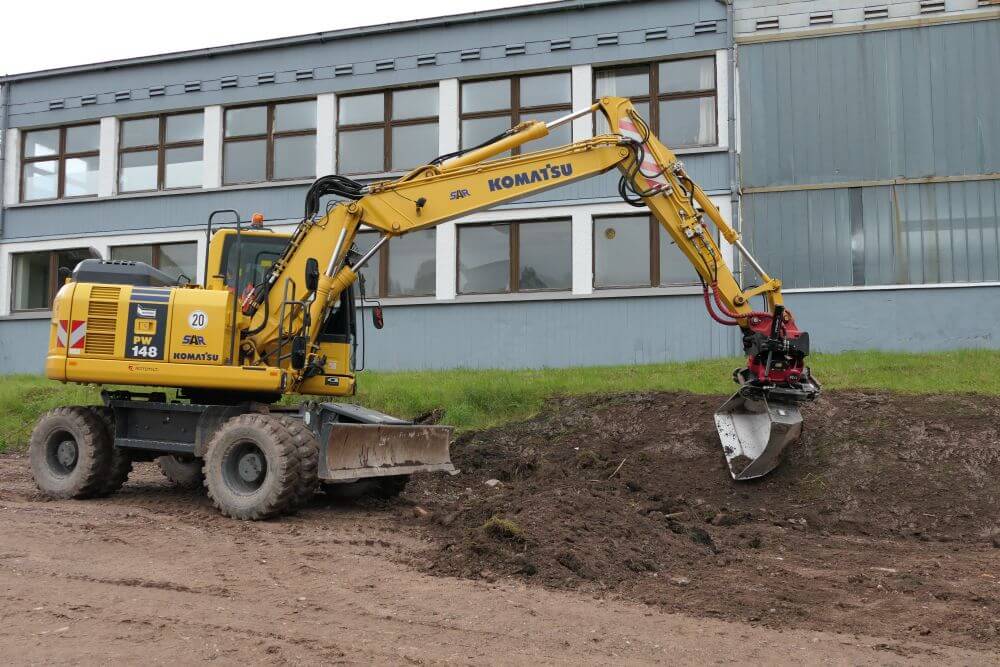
[312,274]
[298,352]
[377,319]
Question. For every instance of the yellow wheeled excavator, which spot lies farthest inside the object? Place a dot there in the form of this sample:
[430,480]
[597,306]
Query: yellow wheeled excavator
[277,315]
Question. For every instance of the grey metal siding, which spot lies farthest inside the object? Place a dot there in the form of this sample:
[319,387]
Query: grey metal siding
[912,102]
[898,234]
[639,330]
[533,334]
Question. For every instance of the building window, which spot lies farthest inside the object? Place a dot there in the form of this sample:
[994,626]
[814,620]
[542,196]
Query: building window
[405,266]
[635,251]
[36,276]
[174,259]
[161,152]
[270,142]
[60,162]
[387,131]
[677,98]
[492,106]
[515,257]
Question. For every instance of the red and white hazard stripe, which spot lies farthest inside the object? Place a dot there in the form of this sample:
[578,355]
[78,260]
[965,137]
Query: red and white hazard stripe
[71,334]
[649,170]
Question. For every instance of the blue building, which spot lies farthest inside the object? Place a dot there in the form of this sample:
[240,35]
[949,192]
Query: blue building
[857,148]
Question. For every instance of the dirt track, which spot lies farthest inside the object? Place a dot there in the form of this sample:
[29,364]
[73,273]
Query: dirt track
[154,574]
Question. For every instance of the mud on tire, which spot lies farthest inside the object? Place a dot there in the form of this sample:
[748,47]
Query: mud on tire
[119,460]
[183,473]
[308,451]
[70,453]
[252,467]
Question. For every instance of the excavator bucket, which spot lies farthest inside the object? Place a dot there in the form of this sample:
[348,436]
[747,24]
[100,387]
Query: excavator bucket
[755,432]
[357,451]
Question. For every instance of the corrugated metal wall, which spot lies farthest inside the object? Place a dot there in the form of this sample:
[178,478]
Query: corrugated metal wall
[860,110]
[912,102]
[885,235]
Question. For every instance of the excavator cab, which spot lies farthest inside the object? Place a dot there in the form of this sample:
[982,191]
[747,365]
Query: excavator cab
[241,259]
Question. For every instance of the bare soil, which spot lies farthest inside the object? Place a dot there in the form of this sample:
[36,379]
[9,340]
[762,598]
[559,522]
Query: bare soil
[618,537]
[884,518]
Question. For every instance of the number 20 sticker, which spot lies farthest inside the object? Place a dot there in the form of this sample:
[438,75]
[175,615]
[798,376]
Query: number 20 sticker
[198,320]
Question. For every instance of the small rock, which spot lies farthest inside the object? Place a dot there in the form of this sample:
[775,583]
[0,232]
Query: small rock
[680,581]
[701,536]
[723,519]
[448,519]
[420,513]
[493,482]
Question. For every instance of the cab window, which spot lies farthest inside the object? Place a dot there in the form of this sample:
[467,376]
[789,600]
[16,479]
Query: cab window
[257,255]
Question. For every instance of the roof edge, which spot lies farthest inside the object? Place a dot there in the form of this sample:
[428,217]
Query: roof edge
[315,38]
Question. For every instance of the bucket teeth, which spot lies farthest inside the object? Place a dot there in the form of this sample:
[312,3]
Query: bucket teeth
[754,433]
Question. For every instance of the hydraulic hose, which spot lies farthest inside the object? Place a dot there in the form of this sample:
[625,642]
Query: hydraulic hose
[729,313]
[711,311]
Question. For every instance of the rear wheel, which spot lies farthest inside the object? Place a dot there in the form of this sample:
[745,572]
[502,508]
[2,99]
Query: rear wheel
[120,460]
[70,453]
[252,467]
[185,473]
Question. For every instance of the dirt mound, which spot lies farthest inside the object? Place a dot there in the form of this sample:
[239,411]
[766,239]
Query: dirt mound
[884,517]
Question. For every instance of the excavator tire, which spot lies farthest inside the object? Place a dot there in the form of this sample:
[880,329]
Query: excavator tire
[70,453]
[252,467]
[308,451]
[184,473]
[120,461]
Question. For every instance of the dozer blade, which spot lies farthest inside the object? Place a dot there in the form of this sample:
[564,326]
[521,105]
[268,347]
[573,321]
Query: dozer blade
[356,451]
[754,434]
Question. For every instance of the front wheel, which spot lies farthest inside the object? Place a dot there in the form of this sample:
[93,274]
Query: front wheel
[252,467]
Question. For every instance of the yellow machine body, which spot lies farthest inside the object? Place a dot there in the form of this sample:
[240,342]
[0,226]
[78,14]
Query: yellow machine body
[172,336]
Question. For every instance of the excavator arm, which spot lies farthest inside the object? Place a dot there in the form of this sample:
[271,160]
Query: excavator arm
[754,425]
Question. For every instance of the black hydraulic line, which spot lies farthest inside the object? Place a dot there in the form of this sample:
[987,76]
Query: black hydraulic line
[462,151]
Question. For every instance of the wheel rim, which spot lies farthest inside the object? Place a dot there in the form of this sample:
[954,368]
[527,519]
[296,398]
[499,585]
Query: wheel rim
[245,468]
[62,453]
